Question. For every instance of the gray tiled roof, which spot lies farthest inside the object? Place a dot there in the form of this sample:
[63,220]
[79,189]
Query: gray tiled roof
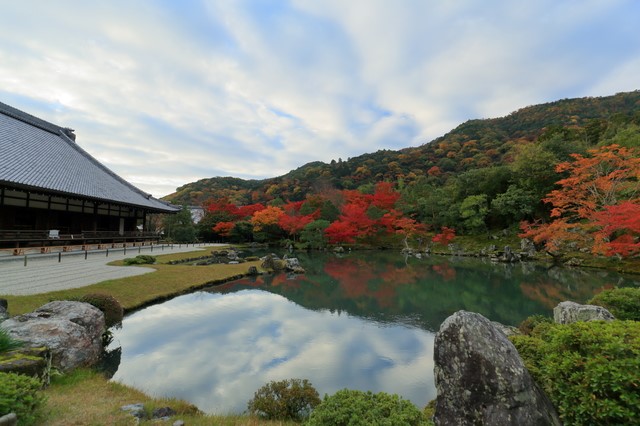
[36,154]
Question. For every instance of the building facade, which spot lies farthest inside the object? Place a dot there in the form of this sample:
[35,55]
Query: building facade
[50,188]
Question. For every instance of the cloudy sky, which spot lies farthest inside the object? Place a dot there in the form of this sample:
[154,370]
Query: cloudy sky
[168,92]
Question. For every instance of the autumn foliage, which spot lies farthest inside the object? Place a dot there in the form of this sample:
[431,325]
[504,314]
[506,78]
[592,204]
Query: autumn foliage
[596,206]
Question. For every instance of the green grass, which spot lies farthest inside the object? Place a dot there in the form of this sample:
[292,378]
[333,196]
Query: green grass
[141,290]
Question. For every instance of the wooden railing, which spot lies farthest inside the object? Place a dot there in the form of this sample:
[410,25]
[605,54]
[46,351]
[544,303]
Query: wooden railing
[38,235]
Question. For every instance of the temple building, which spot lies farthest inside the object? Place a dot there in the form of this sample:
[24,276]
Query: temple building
[53,191]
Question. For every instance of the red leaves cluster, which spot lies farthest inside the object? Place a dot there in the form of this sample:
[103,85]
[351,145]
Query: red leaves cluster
[597,205]
[356,220]
[445,236]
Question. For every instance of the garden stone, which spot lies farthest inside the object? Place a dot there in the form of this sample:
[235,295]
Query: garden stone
[136,410]
[71,330]
[10,419]
[292,264]
[569,312]
[163,413]
[481,379]
[32,362]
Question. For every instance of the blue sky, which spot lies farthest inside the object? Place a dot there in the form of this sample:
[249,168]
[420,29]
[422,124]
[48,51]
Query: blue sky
[169,92]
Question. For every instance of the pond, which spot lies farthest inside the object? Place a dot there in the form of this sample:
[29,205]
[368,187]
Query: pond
[363,320]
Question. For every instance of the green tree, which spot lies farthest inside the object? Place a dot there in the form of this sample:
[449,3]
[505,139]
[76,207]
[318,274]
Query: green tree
[513,205]
[179,227]
[313,234]
[473,211]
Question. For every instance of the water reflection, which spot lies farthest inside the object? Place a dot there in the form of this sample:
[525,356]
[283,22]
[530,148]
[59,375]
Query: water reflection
[216,350]
[361,321]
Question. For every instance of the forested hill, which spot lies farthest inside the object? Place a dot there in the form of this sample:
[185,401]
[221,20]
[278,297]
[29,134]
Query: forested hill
[564,126]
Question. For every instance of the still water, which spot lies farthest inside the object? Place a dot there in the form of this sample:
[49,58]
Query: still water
[360,321]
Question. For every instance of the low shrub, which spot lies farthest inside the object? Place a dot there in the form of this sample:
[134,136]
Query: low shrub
[291,399]
[109,305]
[21,394]
[358,408]
[142,259]
[528,324]
[8,343]
[589,370]
[623,303]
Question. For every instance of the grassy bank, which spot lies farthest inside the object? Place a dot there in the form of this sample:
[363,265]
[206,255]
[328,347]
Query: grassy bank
[85,397]
[135,292]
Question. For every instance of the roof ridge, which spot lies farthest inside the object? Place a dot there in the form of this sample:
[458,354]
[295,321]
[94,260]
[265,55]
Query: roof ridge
[32,119]
[91,158]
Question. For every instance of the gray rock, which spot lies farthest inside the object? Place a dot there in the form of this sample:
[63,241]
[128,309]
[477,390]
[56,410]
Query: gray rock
[568,312]
[71,330]
[481,379]
[527,246]
[10,419]
[163,413]
[253,271]
[293,265]
[136,410]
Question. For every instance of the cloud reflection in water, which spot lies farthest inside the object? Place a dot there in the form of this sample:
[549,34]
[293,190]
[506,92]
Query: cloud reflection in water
[216,350]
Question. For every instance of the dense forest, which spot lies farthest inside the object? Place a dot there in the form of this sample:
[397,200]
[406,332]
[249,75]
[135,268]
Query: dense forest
[484,175]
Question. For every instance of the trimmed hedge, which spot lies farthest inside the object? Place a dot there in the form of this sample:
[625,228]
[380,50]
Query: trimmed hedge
[589,370]
[142,259]
[358,408]
[623,303]
[109,305]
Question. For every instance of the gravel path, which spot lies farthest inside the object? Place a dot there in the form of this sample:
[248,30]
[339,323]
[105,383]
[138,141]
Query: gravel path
[44,273]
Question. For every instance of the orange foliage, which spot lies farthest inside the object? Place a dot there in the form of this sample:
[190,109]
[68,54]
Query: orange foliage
[595,184]
[268,216]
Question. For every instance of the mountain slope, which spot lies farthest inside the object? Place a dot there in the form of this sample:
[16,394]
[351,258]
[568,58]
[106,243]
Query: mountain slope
[474,144]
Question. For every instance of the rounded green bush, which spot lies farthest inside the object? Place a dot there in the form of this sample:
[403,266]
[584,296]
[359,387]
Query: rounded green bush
[589,370]
[21,394]
[109,305]
[623,303]
[143,259]
[291,399]
[358,408]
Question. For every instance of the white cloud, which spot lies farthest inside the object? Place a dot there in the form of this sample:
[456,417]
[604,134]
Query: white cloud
[162,93]
[238,342]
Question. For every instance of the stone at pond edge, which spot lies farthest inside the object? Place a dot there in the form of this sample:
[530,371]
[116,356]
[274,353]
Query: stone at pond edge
[569,312]
[481,379]
[71,330]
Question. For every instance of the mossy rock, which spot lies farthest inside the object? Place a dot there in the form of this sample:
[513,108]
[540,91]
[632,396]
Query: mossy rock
[32,362]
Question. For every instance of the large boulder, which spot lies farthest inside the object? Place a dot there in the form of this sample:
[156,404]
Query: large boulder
[71,330]
[569,312]
[481,379]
